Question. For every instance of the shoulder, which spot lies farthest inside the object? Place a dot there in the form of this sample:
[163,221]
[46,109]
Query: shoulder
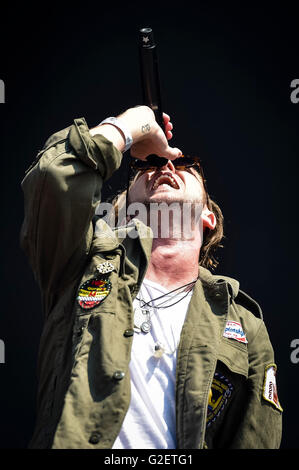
[247,302]
[241,308]
[238,297]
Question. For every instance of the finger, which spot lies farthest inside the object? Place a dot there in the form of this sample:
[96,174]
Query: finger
[168,129]
[168,126]
[169,135]
[166,118]
[173,153]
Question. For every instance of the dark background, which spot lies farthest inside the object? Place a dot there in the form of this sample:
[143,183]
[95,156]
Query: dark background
[226,70]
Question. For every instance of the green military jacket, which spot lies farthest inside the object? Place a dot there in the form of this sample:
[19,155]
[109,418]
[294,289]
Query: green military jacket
[223,396]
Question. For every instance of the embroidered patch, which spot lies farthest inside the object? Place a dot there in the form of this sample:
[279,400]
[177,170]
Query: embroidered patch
[105,268]
[93,292]
[235,331]
[220,391]
[270,388]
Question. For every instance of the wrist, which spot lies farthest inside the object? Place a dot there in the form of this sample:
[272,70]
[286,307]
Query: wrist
[115,130]
[122,128]
[140,120]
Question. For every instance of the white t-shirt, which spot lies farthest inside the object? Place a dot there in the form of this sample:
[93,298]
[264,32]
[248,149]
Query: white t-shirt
[150,422]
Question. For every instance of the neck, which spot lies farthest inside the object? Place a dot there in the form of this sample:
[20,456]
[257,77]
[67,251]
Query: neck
[174,262]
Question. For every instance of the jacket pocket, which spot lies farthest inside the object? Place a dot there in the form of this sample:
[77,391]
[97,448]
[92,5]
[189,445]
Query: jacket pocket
[227,393]
[234,355]
[80,326]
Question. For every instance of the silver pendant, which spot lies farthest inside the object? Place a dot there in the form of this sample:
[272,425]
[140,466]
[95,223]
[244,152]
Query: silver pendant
[145,327]
[141,316]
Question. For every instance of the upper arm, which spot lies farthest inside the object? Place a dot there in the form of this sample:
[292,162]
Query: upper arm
[261,424]
[61,193]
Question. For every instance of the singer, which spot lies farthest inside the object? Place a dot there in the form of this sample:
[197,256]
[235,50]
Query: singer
[142,347]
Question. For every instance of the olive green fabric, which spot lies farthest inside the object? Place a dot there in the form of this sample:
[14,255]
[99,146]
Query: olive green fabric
[83,364]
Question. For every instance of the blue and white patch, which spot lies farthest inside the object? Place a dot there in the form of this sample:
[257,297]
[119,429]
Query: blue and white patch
[235,331]
[219,394]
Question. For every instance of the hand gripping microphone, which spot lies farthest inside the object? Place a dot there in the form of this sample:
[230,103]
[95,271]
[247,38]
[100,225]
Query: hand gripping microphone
[150,82]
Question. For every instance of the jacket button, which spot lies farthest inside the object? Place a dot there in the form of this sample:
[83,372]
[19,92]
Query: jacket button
[80,331]
[128,333]
[118,375]
[95,438]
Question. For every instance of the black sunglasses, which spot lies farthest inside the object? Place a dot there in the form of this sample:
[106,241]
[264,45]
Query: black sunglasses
[181,164]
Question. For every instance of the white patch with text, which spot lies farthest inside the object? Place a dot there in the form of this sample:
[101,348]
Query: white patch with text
[235,331]
[270,388]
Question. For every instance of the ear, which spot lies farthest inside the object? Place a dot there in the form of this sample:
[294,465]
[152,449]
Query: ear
[208,219]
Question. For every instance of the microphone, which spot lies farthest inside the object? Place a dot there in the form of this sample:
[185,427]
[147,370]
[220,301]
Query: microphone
[150,81]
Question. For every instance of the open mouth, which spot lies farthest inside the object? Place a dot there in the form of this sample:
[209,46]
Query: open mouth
[165,179]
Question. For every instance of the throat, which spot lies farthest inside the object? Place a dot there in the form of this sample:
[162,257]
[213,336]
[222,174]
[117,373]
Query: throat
[173,265]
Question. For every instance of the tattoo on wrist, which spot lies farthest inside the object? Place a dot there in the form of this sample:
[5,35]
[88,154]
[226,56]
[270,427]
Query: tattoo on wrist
[146,128]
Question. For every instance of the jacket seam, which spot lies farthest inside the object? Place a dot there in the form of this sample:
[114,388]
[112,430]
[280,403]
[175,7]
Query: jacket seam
[41,152]
[184,395]
[42,185]
[206,394]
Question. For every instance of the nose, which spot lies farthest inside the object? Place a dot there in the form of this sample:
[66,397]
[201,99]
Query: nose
[168,166]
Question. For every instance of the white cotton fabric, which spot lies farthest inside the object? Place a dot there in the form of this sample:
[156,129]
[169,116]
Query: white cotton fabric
[150,422]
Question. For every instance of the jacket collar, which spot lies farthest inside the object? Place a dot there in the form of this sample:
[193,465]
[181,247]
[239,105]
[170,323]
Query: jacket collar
[213,282]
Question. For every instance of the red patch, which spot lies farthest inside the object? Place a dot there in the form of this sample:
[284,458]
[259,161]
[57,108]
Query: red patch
[93,292]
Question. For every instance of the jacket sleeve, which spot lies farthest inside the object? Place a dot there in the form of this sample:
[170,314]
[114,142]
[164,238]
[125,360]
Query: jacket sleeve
[61,191]
[261,423]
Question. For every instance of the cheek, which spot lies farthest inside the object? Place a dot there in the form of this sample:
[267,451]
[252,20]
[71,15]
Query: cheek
[194,186]
[136,190]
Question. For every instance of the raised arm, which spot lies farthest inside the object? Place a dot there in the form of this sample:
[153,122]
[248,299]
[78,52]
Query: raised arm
[148,137]
[63,187]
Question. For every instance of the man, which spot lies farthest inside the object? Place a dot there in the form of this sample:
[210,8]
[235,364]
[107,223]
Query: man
[142,346]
